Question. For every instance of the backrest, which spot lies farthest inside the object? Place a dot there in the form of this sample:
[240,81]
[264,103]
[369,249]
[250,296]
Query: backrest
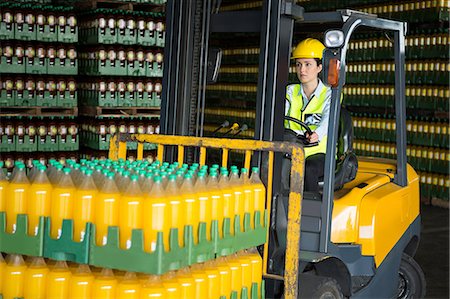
[345,133]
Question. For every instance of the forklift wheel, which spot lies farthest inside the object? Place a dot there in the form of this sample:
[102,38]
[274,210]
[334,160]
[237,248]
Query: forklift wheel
[319,287]
[411,283]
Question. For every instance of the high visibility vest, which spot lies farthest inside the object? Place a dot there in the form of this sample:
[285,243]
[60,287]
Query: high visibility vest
[311,115]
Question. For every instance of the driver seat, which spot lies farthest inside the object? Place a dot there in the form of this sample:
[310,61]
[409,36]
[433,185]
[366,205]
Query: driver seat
[346,163]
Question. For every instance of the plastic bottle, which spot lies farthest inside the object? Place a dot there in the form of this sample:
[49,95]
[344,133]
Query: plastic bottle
[212,275]
[55,174]
[259,192]
[106,209]
[128,287]
[147,182]
[237,188]
[58,281]
[200,280]
[224,276]
[124,181]
[171,285]
[256,266]
[186,283]
[153,288]
[131,212]
[249,198]
[36,279]
[3,188]
[156,209]
[204,203]
[81,282]
[191,205]
[228,198]
[177,213]
[13,277]
[63,195]
[17,193]
[39,203]
[104,285]
[83,209]
[236,273]
[246,269]
[2,269]
[216,197]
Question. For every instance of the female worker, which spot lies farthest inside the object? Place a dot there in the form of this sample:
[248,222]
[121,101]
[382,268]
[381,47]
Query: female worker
[309,102]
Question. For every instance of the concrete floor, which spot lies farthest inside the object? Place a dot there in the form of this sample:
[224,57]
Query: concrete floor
[433,252]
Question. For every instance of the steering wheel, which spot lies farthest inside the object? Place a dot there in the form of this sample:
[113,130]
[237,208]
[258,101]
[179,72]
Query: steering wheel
[302,138]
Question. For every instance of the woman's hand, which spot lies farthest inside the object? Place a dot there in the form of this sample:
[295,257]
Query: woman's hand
[313,137]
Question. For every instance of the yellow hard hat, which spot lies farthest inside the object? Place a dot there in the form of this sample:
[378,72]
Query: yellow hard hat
[308,48]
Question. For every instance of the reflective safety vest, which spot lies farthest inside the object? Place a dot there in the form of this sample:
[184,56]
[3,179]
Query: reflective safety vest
[310,115]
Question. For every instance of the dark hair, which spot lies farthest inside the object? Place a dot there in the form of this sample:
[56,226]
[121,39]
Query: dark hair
[319,61]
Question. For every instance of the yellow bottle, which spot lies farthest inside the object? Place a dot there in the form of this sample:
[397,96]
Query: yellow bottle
[106,209]
[62,203]
[236,273]
[58,281]
[216,198]
[256,265]
[191,205]
[128,287]
[2,269]
[177,212]
[39,204]
[239,209]
[131,212]
[187,283]
[171,285]
[224,276]
[204,202]
[249,199]
[200,281]
[157,213]
[104,285]
[259,192]
[213,279]
[81,282]
[228,198]
[17,193]
[13,277]
[246,268]
[153,288]
[83,209]
[36,279]
[3,188]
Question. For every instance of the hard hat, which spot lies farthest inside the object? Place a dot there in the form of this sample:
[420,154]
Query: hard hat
[308,48]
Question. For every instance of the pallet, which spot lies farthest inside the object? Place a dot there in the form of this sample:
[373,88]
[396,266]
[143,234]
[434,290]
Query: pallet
[120,111]
[38,111]
[130,5]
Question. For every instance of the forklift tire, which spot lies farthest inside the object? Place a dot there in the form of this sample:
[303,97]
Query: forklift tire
[411,281]
[318,287]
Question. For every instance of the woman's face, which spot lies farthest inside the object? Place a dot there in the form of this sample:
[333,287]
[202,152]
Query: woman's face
[307,70]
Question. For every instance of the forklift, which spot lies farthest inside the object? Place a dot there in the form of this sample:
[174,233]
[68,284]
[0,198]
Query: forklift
[355,238]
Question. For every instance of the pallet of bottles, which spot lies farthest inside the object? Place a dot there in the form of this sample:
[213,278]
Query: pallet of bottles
[29,277]
[131,215]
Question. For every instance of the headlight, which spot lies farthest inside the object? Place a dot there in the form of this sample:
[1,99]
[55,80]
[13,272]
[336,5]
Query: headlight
[334,38]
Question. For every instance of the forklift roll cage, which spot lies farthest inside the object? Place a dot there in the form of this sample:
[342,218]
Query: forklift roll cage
[188,27]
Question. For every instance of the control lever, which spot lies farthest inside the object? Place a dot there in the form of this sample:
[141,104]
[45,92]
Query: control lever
[225,124]
[234,127]
[242,129]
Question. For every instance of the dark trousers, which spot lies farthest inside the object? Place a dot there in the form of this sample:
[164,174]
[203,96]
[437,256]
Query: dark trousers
[314,170]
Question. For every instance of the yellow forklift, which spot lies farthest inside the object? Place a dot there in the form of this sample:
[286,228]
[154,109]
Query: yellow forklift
[355,238]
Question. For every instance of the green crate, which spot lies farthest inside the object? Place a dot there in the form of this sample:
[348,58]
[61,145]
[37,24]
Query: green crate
[156,97]
[24,98]
[66,34]
[68,144]
[6,31]
[7,144]
[146,37]
[25,31]
[67,99]
[127,37]
[46,99]
[65,66]
[26,144]
[47,33]
[12,65]
[136,68]
[98,36]
[20,242]
[153,70]
[126,99]
[102,99]
[104,68]
[35,65]
[6,98]
[160,39]
[46,144]
[144,99]
[65,248]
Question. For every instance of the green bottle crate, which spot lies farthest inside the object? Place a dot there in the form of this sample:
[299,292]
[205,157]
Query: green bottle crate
[98,36]
[153,70]
[26,144]
[66,34]
[67,99]
[103,99]
[24,98]
[6,98]
[160,39]
[126,99]
[68,144]
[146,37]
[65,248]
[127,36]
[6,31]
[25,31]
[156,99]
[35,65]
[12,65]
[46,144]
[104,68]
[7,144]
[46,99]
[47,33]
[144,99]
[136,68]
[20,242]
[64,66]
